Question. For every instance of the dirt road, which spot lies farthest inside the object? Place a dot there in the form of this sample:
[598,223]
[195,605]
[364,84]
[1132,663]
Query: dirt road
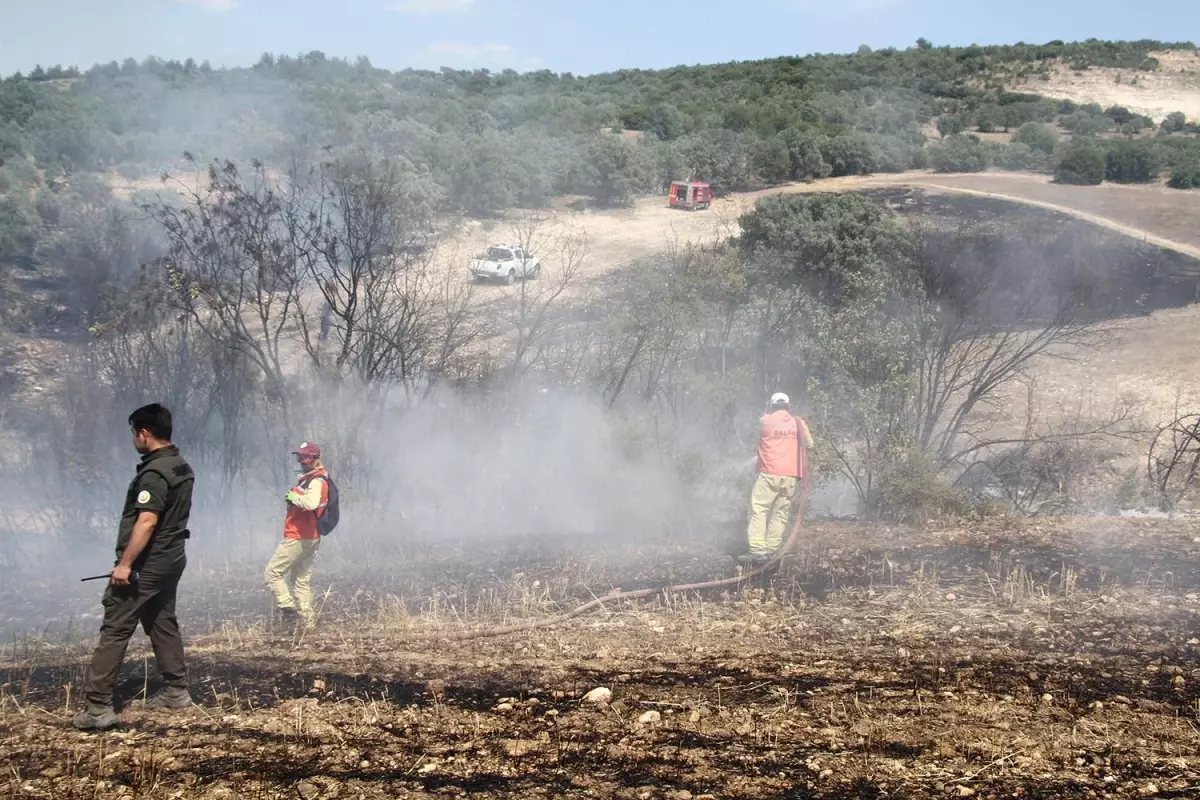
[1155,214]
[1154,359]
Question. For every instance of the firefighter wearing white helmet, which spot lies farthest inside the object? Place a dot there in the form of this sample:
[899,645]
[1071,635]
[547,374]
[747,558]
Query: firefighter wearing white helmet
[783,445]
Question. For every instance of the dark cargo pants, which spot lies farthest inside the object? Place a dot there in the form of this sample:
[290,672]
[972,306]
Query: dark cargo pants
[151,601]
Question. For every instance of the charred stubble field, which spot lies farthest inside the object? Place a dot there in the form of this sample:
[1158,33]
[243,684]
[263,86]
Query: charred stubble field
[1016,659]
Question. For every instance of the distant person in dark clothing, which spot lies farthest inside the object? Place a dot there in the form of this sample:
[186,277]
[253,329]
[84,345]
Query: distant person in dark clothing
[150,562]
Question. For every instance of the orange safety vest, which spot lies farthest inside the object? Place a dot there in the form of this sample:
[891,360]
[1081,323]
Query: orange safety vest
[781,448]
[301,524]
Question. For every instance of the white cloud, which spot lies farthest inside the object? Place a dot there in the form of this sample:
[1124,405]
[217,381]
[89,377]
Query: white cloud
[214,5]
[429,6]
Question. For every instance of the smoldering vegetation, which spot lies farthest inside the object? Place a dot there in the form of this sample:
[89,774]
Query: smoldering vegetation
[509,452]
[314,289]
[314,304]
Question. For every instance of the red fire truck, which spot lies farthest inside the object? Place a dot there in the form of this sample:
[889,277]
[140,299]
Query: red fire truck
[692,195]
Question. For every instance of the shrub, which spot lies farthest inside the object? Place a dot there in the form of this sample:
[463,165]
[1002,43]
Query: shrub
[913,492]
[1082,123]
[950,124]
[1038,136]
[959,153]
[1133,162]
[852,154]
[1018,156]
[1082,165]
[1175,122]
[894,155]
[1186,176]
[988,118]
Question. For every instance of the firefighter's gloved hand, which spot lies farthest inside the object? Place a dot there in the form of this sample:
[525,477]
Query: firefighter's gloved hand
[292,496]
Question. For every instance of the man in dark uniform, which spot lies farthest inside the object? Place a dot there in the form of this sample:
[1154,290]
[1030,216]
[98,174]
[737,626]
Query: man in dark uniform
[150,562]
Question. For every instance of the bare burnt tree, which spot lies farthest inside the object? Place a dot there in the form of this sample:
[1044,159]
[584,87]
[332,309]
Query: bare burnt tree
[148,348]
[985,317]
[69,472]
[231,264]
[361,232]
[672,321]
[1173,460]
[535,312]
[1044,467]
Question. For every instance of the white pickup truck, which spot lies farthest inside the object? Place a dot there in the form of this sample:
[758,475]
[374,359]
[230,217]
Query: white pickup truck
[504,262]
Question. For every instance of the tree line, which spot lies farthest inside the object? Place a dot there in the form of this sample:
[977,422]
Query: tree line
[485,142]
[494,140]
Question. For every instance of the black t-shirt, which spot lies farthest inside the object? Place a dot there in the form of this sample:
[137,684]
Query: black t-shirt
[163,484]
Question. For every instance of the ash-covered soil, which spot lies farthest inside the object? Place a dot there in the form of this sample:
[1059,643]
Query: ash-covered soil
[1003,659]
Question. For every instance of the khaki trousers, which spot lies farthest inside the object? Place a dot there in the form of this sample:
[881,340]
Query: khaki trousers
[150,602]
[293,563]
[770,504]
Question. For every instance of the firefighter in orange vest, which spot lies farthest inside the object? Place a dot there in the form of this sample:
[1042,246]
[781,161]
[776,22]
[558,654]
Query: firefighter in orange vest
[782,459]
[294,556]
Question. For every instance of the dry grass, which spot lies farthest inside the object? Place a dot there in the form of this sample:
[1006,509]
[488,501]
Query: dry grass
[1050,660]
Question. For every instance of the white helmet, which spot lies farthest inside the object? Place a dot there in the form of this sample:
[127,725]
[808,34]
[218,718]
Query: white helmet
[780,399]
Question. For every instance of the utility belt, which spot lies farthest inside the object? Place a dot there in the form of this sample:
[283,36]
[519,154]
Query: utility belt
[182,533]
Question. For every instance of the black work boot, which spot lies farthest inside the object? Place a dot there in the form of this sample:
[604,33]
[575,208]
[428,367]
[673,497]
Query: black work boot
[170,697]
[96,718]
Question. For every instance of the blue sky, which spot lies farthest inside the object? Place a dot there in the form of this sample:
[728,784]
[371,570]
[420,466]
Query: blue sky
[581,36]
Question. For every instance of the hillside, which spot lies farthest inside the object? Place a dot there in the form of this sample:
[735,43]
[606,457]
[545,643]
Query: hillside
[1173,85]
[478,143]
[490,141]
[468,154]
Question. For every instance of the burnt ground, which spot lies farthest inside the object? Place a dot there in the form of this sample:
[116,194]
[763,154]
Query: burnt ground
[1049,659]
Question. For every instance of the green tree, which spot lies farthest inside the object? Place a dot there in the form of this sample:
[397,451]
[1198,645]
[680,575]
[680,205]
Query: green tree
[1019,156]
[612,174]
[959,153]
[772,160]
[832,245]
[988,118]
[1119,114]
[895,155]
[1186,175]
[1084,123]
[1038,136]
[1083,164]
[950,124]
[851,154]
[1174,122]
[668,164]
[1133,162]
[720,156]
[808,163]
[665,121]
[1014,115]
[831,274]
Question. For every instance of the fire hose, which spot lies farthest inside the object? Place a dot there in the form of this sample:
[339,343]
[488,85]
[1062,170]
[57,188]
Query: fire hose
[793,534]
